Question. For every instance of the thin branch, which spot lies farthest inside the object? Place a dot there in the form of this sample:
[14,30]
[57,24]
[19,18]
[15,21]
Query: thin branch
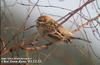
[74,12]
[23,25]
[83,25]
[44,6]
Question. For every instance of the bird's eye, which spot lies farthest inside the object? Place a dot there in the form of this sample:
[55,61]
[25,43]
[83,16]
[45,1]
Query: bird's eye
[38,19]
[41,19]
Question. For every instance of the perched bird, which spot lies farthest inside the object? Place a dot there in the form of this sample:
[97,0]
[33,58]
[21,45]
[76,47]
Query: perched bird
[47,26]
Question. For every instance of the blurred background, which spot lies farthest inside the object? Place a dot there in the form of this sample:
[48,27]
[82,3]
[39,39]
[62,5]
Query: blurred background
[17,15]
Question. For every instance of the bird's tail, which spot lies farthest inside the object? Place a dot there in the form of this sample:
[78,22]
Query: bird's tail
[81,39]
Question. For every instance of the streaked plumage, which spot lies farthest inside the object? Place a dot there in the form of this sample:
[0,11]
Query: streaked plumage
[47,26]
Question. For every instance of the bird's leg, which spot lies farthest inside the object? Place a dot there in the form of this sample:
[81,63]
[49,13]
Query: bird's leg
[68,41]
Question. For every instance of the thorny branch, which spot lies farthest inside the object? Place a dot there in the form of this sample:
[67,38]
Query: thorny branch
[70,14]
[22,44]
[89,21]
[23,25]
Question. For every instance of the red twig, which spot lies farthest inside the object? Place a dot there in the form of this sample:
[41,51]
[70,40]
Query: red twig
[89,21]
[74,12]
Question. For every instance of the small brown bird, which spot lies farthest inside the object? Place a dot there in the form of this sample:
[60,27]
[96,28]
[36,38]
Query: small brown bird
[47,26]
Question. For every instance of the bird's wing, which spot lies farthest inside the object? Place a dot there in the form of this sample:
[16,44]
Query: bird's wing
[64,31]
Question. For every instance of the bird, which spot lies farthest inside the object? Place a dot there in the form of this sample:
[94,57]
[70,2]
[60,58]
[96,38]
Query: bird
[48,27]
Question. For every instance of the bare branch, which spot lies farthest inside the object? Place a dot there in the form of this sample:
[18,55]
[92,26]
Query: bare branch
[89,21]
[74,12]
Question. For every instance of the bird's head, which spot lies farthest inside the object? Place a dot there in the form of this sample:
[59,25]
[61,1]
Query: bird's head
[44,19]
